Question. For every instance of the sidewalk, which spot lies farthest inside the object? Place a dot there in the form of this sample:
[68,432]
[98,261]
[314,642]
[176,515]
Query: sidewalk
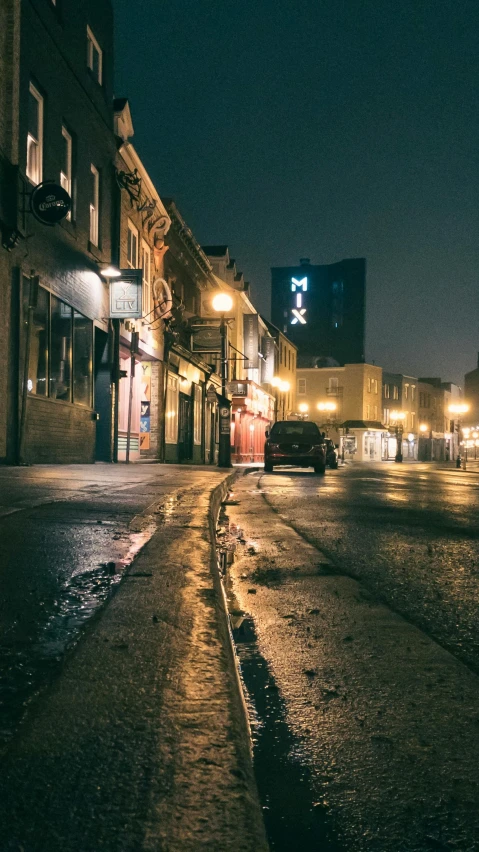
[142,743]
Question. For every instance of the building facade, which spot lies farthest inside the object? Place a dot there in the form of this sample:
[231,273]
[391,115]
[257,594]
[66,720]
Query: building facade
[345,402]
[60,129]
[321,309]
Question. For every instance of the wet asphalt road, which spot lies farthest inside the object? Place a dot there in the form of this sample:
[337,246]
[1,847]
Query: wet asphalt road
[67,534]
[359,592]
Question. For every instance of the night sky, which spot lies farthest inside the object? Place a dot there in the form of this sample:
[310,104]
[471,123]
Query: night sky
[323,129]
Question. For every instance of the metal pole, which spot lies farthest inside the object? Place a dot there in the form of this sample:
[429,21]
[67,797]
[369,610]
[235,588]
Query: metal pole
[133,350]
[32,301]
[398,443]
[224,454]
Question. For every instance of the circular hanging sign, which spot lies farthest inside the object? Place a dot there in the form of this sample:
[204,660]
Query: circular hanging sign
[50,203]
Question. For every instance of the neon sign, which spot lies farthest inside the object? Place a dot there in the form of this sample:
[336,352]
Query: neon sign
[299,287]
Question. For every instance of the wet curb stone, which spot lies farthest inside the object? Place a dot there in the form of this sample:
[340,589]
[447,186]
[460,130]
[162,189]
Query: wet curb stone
[142,743]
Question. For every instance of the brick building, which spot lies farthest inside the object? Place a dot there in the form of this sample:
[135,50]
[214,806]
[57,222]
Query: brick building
[59,128]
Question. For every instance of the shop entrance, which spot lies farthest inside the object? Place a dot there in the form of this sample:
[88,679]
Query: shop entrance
[185,430]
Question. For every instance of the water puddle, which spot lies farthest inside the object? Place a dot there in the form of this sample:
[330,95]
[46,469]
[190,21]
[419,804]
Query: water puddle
[28,666]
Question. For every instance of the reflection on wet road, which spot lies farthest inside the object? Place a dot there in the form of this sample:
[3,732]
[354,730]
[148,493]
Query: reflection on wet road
[363,589]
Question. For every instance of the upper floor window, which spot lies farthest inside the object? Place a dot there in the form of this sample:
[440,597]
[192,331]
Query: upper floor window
[35,135]
[333,383]
[66,166]
[395,392]
[386,391]
[386,416]
[146,267]
[301,386]
[413,392]
[94,56]
[132,246]
[369,384]
[94,205]
[406,391]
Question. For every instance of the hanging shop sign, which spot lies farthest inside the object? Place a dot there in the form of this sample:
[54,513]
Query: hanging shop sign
[250,336]
[50,203]
[162,299]
[267,364]
[125,295]
[206,338]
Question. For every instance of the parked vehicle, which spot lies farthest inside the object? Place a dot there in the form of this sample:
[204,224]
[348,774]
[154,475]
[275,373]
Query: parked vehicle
[331,454]
[295,442]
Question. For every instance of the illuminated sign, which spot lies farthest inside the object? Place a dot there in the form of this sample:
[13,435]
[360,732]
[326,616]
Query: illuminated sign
[298,286]
[125,295]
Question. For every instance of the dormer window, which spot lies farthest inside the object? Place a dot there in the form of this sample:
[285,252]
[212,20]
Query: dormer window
[94,56]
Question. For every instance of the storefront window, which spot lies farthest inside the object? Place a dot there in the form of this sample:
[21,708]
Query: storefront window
[197,414]
[171,425]
[37,368]
[82,359]
[60,352]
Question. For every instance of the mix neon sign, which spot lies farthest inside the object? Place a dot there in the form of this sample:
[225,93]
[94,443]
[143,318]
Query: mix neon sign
[299,286]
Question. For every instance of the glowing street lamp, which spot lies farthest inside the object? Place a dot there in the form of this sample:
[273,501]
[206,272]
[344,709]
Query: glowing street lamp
[281,387]
[459,408]
[303,410]
[222,303]
[398,418]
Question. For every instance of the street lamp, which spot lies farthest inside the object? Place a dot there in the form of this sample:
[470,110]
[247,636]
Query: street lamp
[283,388]
[398,417]
[459,408]
[222,303]
[303,410]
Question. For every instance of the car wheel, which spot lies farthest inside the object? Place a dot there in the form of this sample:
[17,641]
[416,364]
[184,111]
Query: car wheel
[268,467]
[320,468]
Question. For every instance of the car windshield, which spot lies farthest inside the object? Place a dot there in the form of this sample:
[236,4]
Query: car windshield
[295,430]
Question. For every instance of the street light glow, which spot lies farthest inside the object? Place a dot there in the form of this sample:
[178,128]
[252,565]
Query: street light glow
[304,407]
[222,303]
[284,387]
[423,427]
[459,408]
[398,415]
[326,406]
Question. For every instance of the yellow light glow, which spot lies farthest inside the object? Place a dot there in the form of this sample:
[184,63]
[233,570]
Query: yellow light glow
[222,303]
[330,406]
[398,415]
[423,427]
[110,272]
[304,407]
[321,406]
[276,381]
[284,387]
[459,408]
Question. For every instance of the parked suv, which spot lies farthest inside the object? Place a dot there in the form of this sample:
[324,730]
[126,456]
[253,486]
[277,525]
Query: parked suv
[296,442]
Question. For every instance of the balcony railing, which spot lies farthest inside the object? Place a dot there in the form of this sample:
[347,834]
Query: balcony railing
[338,391]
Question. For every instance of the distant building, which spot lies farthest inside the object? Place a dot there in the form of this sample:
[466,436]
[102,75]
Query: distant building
[471,393]
[322,310]
[345,402]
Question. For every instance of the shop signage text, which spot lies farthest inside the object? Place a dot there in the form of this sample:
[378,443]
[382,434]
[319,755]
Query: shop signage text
[50,203]
[125,295]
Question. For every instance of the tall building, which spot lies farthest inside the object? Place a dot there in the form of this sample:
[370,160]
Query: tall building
[322,310]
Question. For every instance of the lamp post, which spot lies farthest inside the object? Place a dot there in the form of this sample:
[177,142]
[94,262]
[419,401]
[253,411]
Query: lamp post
[281,387]
[398,417]
[459,408]
[222,303]
[423,428]
[328,408]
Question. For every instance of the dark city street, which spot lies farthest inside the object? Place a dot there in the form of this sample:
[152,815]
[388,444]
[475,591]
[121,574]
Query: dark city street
[363,589]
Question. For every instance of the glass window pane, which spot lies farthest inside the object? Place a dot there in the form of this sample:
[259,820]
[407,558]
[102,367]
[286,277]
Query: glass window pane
[37,364]
[33,116]
[60,353]
[82,359]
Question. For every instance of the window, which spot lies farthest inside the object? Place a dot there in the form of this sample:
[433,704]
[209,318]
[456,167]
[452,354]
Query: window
[369,384]
[132,246]
[301,387]
[368,412]
[38,360]
[413,392]
[198,408]
[61,342]
[171,424]
[406,391]
[375,412]
[146,267]
[395,392]
[66,165]
[94,57]
[94,205]
[413,420]
[35,136]
[60,349]
[375,385]
[386,391]
[82,359]
[333,383]
[386,416]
